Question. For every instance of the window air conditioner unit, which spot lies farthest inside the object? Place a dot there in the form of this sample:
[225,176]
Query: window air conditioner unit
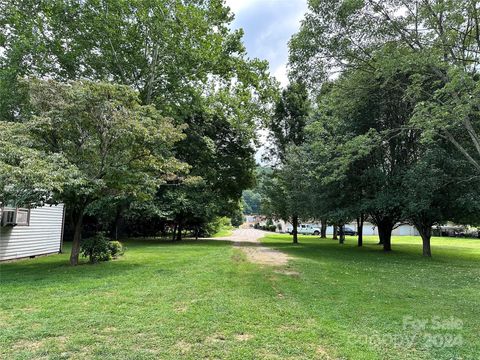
[8,217]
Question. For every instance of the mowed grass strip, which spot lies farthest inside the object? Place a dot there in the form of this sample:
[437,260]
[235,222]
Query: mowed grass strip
[202,299]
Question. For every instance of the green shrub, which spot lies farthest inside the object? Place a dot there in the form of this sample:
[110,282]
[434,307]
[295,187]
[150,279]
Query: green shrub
[237,218]
[116,249]
[271,228]
[266,227]
[99,248]
[215,226]
[96,248]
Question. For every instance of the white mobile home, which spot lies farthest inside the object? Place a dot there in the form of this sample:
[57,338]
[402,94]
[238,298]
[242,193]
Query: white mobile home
[30,232]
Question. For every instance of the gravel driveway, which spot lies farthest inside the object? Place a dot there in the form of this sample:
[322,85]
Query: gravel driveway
[248,241]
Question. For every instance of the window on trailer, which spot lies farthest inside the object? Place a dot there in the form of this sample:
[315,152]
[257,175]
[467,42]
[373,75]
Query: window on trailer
[14,216]
[23,217]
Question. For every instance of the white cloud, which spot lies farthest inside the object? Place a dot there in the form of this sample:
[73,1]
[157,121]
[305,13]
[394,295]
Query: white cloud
[239,5]
[281,74]
[268,26]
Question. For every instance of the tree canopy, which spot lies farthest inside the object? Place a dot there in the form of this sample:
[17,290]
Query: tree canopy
[393,89]
[116,147]
[181,57]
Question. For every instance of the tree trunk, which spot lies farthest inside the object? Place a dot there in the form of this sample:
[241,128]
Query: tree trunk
[360,230]
[77,238]
[117,223]
[323,229]
[380,238]
[179,231]
[425,231]
[385,229]
[174,232]
[295,228]
[335,232]
[341,238]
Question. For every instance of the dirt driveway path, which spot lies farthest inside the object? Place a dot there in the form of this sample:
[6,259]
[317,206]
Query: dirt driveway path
[248,241]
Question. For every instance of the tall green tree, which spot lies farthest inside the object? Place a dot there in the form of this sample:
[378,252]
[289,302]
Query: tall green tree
[284,193]
[337,184]
[288,122]
[443,35]
[368,145]
[117,147]
[168,50]
[431,193]
[371,160]
[251,202]
[180,56]
[409,76]
[287,126]
[28,175]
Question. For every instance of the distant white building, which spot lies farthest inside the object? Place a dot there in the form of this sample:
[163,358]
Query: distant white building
[368,229]
[31,232]
[400,230]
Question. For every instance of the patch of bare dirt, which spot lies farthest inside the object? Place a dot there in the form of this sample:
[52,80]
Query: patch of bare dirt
[183,346]
[28,345]
[247,240]
[265,256]
[30,309]
[288,273]
[238,257]
[216,338]
[268,354]
[243,337]
[181,307]
[35,345]
[109,329]
[323,353]
[61,339]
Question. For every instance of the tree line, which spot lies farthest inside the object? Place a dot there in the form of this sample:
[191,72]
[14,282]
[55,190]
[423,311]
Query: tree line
[381,120]
[139,116]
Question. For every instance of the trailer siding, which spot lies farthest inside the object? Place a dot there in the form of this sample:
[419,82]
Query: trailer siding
[42,236]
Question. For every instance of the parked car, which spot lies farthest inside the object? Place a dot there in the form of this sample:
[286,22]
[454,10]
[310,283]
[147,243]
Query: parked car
[349,231]
[305,229]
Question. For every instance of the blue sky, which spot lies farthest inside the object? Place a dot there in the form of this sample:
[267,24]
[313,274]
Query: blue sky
[268,26]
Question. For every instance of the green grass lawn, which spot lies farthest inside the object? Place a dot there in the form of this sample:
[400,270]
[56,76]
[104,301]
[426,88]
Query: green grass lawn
[194,300]
[225,231]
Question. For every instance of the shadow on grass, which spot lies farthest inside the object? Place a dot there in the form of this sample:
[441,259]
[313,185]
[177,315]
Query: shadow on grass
[168,242]
[56,267]
[321,249]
